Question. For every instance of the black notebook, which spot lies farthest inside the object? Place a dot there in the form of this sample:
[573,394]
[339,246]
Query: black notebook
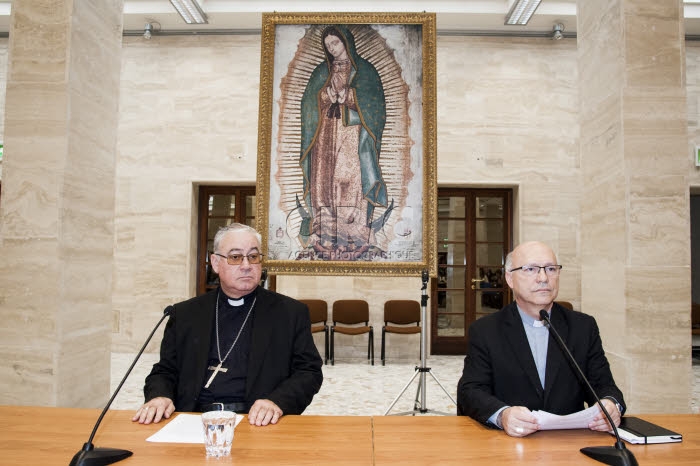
[635,430]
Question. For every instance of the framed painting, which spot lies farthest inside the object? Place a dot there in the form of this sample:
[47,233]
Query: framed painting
[346,181]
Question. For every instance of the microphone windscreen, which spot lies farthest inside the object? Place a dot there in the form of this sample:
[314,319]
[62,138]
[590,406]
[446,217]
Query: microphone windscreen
[168,310]
[544,315]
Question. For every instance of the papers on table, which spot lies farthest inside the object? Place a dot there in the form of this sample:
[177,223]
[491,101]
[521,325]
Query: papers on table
[185,428]
[579,420]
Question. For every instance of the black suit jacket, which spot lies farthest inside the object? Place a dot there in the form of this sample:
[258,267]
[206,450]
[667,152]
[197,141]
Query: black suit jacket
[284,365]
[499,369]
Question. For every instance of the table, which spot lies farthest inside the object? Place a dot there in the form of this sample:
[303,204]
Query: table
[296,440]
[461,440]
[322,440]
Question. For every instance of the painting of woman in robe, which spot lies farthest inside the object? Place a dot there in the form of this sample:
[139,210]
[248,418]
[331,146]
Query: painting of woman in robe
[346,150]
[343,114]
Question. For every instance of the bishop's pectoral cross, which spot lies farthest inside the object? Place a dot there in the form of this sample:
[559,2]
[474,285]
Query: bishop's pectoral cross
[216,370]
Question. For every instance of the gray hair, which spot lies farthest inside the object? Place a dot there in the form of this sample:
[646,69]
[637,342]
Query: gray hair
[234,228]
[509,261]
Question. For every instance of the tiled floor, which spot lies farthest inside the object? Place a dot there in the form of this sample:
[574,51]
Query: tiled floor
[354,387]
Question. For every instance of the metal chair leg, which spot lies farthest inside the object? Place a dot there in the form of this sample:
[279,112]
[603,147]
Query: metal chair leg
[383,338]
[332,346]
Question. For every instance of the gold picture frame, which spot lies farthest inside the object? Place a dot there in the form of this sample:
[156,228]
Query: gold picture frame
[346,180]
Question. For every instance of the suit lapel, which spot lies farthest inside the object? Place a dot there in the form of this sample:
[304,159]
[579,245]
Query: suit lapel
[262,334]
[202,322]
[516,338]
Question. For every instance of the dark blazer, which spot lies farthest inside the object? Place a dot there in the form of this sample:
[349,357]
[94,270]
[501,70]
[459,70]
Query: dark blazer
[499,369]
[284,365]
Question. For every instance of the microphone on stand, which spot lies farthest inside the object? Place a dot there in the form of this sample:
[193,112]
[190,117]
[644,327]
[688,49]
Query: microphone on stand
[616,455]
[93,456]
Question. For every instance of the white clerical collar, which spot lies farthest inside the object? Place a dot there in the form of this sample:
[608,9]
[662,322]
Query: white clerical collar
[236,302]
[529,320]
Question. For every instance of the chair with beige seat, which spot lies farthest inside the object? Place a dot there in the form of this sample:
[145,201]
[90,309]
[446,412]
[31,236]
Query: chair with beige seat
[401,316]
[351,317]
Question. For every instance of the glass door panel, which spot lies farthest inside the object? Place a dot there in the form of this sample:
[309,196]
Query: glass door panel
[474,234]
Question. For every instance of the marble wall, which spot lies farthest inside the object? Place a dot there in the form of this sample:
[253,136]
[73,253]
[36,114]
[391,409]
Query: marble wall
[60,125]
[508,116]
[635,212]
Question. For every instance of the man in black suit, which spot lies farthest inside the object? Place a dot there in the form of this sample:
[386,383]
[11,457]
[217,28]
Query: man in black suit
[239,347]
[513,366]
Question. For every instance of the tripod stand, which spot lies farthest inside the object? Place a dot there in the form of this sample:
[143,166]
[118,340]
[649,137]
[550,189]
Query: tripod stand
[422,370]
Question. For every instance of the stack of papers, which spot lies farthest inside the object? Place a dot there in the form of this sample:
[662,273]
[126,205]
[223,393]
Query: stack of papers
[185,428]
[579,420]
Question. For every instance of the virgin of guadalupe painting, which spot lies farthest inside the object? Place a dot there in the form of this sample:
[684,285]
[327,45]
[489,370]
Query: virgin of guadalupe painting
[347,168]
[343,113]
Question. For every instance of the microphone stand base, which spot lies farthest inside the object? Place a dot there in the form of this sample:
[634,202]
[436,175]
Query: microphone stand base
[99,456]
[611,455]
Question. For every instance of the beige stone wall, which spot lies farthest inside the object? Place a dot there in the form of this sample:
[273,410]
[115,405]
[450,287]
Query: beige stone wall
[507,117]
[3,80]
[188,116]
[57,211]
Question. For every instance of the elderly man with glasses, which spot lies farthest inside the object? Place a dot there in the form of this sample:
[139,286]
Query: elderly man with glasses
[513,366]
[239,347]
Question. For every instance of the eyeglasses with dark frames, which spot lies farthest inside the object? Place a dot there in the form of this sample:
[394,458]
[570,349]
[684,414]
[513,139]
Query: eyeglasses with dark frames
[532,270]
[237,259]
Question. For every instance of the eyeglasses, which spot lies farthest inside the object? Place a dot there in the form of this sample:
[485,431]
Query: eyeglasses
[237,259]
[532,270]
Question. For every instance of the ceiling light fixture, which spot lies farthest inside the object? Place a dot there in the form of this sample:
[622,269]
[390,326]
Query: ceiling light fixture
[521,12]
[190,11]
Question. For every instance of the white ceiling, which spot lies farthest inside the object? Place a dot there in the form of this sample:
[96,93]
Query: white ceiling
[470,16]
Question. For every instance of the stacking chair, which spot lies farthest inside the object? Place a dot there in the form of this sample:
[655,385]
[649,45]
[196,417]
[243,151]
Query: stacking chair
[318,311]
[348,317]
[401,313]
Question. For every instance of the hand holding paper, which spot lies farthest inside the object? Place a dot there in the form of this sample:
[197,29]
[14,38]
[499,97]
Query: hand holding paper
[579,420]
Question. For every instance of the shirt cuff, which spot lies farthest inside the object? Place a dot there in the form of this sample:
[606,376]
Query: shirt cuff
[495,418]
[618,405]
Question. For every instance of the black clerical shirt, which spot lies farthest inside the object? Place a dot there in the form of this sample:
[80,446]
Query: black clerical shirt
[229,386]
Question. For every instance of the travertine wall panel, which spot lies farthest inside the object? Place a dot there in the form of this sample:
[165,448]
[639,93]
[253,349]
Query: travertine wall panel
[58,201]
[641,205]
[188,116]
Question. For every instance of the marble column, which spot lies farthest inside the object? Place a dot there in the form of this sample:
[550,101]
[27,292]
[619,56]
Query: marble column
[635,234]
[56,217]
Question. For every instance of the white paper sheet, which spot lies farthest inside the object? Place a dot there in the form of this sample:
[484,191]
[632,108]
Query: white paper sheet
[185,428]
[579,420]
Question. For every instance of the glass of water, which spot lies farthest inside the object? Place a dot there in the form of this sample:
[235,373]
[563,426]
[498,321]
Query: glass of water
[218,432]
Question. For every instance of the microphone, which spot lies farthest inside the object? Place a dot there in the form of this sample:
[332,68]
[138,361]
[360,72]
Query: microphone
[616,455]
[93,456]
[424,278]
